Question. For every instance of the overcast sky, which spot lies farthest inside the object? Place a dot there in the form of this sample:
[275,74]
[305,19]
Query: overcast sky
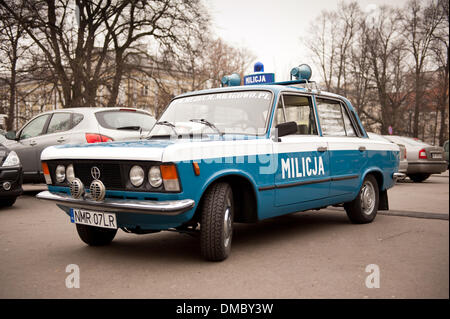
[272,29]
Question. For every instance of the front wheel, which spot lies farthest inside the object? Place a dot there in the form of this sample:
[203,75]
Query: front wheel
[364,207]
[7,201]
[216,229]
[96,236]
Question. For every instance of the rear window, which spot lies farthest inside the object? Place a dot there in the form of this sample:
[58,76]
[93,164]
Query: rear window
[125,120]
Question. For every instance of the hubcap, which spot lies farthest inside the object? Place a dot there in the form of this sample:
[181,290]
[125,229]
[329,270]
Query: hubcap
[227,223]
[367,198]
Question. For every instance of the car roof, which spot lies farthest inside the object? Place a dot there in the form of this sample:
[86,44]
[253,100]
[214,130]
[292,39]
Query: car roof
[85,110]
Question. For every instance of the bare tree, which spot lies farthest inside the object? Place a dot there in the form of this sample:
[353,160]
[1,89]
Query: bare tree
[13,47]
[386,56]
[420,23]
[87,44]
[440,56]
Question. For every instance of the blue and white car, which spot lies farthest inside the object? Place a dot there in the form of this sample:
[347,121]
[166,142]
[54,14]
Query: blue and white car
[225,155]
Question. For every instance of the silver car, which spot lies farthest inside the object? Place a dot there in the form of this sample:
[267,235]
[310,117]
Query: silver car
[74,126]
[403,164]
[423,159]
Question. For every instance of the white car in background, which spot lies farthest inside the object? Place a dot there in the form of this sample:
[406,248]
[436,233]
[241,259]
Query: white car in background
[423,159]
[74,126]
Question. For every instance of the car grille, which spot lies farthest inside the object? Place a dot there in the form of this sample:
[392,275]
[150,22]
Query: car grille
[110,174]
[113,174]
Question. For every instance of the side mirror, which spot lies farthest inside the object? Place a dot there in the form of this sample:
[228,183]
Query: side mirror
[286,128]
[10,135]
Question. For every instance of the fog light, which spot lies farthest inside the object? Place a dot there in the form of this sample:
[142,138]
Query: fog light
[76,188]
[6,186]
[97,190]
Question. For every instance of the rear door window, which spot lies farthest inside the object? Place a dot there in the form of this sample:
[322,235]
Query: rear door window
[60,122]
[125,120]
[334,119]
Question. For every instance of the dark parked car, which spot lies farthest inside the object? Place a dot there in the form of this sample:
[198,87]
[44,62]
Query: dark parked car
[10,176]
[74,126]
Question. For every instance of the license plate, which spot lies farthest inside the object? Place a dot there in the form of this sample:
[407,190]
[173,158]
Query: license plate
[91,218]
[436,155]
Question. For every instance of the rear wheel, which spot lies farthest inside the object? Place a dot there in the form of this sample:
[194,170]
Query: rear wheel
[95,236]
[364,207]
[216,230]
[418,178]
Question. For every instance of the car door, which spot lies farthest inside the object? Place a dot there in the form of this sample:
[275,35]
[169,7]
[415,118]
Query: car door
[347,150]
[57,132]
[26,145]
[303,161]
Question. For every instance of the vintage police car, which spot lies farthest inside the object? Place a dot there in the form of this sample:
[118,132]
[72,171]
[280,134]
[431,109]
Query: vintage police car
[218,156]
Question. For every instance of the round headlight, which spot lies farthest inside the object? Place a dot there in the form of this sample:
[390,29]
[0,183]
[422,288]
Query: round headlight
[137,175]
[154,176]
[60,173]
[70,173]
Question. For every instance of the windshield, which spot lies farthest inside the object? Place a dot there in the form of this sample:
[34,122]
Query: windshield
[243,112]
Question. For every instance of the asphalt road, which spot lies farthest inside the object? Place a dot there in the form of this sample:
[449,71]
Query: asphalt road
[303,255]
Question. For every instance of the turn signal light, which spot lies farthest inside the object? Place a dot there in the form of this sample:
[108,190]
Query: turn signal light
[97,138]
[46,172]
[170,177]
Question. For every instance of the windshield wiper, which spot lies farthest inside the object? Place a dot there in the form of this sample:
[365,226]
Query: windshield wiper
[207,123]
[166,123]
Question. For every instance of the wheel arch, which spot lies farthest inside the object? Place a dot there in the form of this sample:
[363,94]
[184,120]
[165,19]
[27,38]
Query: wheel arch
[244,195]
[383,202]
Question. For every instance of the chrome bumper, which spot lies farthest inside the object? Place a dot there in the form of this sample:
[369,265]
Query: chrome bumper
[149,207]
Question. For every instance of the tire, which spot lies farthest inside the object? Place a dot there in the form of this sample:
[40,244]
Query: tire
[364,207]
[95,236]
[7,201]
[216,229]
[418,178]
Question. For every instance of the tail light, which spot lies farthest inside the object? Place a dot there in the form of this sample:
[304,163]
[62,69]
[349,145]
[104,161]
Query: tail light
[170,177]
[422,154]
[97,138]
[405,153]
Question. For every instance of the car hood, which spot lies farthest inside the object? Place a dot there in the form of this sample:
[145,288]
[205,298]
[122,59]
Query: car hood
[161,150]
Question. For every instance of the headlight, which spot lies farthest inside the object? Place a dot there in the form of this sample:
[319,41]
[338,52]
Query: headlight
[11,160]
[137,175]
[60,173]
[154,176]
[70,173]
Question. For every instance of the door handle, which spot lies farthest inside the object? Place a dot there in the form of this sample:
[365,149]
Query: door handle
[61,139]
[362,148]
[322,149]
[33,143]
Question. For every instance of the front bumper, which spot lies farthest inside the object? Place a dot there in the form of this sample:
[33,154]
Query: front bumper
[146,207]
[13,176]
